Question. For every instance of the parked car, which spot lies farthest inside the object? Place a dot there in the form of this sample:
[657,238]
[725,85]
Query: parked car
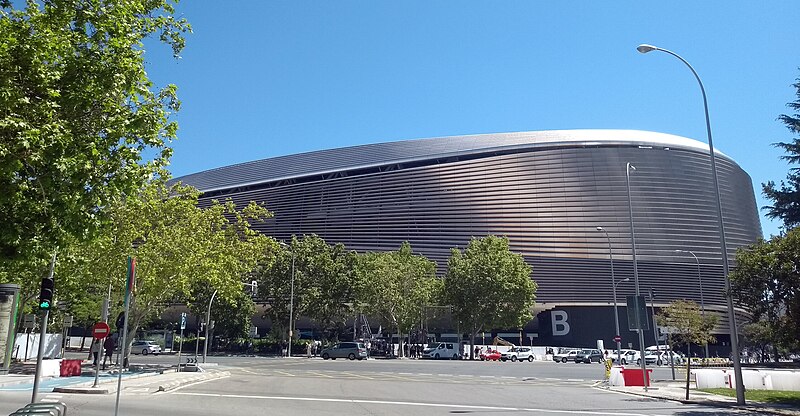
[447,350]
[145,347]
[349,350]
[662,358]
[518,354]
[626,356]
[589,356]
[565,355]
[490,355]
[630,357]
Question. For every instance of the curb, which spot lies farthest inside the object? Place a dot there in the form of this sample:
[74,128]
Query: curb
[85,388]
[710,403]
[201,377]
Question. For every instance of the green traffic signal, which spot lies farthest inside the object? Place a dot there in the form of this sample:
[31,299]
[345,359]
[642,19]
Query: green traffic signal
[46,294]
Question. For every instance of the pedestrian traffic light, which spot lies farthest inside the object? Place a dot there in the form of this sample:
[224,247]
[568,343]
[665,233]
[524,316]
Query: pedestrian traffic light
[46,294]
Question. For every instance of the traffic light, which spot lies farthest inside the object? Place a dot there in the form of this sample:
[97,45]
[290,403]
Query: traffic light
[46,294]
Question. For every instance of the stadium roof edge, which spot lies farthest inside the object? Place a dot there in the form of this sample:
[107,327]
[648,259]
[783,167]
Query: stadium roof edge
[320,162]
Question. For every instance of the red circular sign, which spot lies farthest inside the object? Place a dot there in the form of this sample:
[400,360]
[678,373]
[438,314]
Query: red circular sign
[100,330]
[617,338]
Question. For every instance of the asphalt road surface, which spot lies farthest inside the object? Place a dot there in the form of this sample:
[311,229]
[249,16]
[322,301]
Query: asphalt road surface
[299,386]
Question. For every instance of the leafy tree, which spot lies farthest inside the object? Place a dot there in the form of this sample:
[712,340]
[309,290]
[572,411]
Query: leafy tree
[396,285]
[761,336]
[786,197]
[489,286]
[324,283]
[178,245]
[78,114]
[766,280]
[687,323]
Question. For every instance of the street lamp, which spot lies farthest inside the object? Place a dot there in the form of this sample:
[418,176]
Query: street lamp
[291,298]
[614,291]
[638,319]
[737,366]
[700,279]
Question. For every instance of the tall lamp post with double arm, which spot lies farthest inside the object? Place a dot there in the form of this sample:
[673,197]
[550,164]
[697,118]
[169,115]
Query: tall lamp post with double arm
[737,366]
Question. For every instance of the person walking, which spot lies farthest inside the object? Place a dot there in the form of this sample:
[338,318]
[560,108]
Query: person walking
[108,345]
[308,350]
[96,347]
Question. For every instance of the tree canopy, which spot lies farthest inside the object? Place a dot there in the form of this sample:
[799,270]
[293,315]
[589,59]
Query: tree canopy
[766,280]
[178,246]
[786,197]
[397,285]
[324,283]
[79,116]
[489,286]
[687,323]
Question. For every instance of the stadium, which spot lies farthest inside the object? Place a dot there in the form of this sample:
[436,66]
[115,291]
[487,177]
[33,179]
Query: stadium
[547,191]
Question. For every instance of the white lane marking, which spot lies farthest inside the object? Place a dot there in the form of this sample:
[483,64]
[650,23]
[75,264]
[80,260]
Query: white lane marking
[190,385]
[424,374]
[54,396]
[357,375]
[396,403]
[285,373]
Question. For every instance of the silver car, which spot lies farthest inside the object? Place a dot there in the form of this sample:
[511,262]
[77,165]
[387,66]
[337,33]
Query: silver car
[350,350]
[145,347]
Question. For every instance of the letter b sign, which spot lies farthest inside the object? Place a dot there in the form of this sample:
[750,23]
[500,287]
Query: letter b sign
[559,322]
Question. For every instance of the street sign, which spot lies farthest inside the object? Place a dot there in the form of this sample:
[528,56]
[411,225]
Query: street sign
[617,338]
[68,321]
[100,330]
[637,313]
[668,330]
[183,320]
[29,321]
[253,331]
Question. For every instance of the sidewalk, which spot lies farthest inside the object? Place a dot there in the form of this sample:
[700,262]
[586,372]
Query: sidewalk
[151,379]
[676,391]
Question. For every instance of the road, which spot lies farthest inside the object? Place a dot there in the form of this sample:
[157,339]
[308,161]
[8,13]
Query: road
[376,387]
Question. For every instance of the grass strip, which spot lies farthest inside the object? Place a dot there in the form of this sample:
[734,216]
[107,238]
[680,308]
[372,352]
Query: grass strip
[764,396]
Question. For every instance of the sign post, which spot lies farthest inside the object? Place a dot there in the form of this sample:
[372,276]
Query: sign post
[100,330]
[180,344]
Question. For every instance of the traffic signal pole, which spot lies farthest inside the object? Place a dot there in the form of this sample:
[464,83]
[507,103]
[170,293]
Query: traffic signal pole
[42,335]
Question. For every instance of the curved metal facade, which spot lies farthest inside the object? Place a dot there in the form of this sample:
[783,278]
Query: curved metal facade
[546,191]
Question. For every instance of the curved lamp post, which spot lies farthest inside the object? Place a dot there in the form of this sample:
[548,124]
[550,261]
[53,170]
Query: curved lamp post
[737,367]
[700,279]
[291,299]
[614,291]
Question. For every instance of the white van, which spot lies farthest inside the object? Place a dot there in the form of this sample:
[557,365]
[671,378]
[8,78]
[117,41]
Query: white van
[445,350]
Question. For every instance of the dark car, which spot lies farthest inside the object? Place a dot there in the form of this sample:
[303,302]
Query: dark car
[589,356]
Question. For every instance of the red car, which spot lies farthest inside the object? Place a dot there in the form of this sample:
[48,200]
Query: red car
[490,355]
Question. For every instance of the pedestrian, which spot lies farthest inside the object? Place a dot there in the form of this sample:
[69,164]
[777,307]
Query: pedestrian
[109,346]
[308,350]
[96,347]
[477,352]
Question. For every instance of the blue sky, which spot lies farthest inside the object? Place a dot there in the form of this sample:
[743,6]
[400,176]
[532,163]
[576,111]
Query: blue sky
[267,78]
